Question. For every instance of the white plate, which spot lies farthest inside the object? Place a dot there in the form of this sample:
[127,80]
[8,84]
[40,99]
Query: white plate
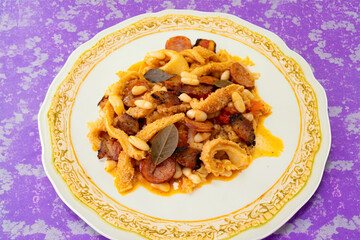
[253,205]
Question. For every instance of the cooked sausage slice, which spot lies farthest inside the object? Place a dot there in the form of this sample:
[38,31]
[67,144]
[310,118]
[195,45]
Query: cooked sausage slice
[199,126]
[110,147]
[243,128]
[199,91]
[127,123]
[208,44]
[178,43]
[163,172]
[167,98]
[241,75]
[187,156]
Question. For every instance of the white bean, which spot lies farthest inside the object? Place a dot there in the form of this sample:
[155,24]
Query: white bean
[164,187]
[190,81]
[238,102]
[195,178]
[225,75]
[199,137]
[138,90]
[138,143]
[178,172]
[143,104]
[185,98]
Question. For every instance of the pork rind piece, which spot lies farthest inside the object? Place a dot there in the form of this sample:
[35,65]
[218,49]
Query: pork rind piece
[115,92]
[125,172]
[120,135]
[193,56]
[199,54]
[162,109]
[186,185]
[238,159]
[151,129]
[216,100]
[137,112]
[95,129]
[211,67]
[175,65]
[206,53]
[119,87]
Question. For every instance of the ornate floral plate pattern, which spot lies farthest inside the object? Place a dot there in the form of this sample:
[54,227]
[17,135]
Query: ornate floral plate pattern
[59,154]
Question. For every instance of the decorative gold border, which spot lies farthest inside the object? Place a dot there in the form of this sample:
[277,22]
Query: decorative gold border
[256,213]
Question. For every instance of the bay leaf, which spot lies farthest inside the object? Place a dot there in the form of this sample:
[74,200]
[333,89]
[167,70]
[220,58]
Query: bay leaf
[164,144]
[156,75]
[223,83]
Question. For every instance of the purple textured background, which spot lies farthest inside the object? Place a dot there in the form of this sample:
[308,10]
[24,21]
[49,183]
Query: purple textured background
[36,37]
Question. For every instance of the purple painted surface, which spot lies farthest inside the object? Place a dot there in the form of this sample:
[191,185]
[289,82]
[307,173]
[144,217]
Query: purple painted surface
[36,37]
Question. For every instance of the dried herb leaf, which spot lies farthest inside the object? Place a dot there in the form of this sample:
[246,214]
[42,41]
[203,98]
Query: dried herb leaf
[223,83]
[156,75]
[164,144]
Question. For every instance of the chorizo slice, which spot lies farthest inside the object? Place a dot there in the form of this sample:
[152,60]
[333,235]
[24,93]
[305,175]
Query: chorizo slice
[199,126]
[243,128]
[199,91]
[110,147]
[187,157]
[205,43]
[178,43]
[163,172]
[167,98]
[127,123]
[241,75]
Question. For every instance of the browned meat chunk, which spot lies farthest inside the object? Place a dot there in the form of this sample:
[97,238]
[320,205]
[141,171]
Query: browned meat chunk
[241,75]
[178,43]
[208,44]
[163,172]
[129,98]
[167,98]
[208,80]
[183,134]
[110,147]
[127,123]
[199,126]
[243,128]
[187,157]
[200,91]
[103,102]
[174,84]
